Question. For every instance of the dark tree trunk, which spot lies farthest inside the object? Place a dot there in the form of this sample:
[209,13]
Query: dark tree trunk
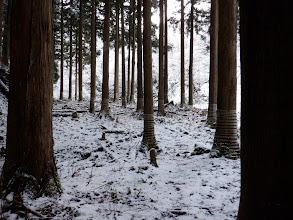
[80,52]
[166,86]
[62,54]
[182,55]
[6,35]
[1,17]
[93,56]
[133,53]
[70,55]
[116,77]
[266,108]
[123,55]
[148,134]
[105,86]
[129,59]
[29,133]
[76,64]
[213,81]
[226,141]
[139,59]
[161,63]
[190,101]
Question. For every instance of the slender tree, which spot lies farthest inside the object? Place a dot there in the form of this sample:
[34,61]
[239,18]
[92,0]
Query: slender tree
[266,103]
[116,76]
[1,17]
[70,53]
[148,135]
[62,50]
[166,86]
[129,58]
[76,64]
[105,85]
[213,81]
[226,141]
[133,52]
[139,59]
[182,55]
[190,101]
[29,163]
[93,56]
[161,62]
[123,55]
[80,51]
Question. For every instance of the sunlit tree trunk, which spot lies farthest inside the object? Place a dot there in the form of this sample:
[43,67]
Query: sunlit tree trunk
[105,86]
[93,56]
[266,116]
[139,59]
[123,55]
[161,110]
[226,141]
[213,81]
[190,101]
[29,153]
[182,55]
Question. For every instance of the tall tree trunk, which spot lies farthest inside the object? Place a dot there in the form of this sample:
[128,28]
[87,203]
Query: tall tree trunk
[76,64]
[1,17]
[93,57]
[213,81]
[129,59]
[29,153]
[182,55]
[62,48]
[133,53]
[166,86]
[190,101]
[139,59]
[266,121]
[161,63]
[80,51]
[6,35]
[105,86]
[226,141]
[116,77]
[123,55]
[148,135]
[70,55]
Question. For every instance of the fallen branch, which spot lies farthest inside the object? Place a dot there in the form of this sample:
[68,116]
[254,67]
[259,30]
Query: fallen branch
[27,209]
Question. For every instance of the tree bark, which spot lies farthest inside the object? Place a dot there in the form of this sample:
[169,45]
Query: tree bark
[133,53]
[105,86]
[123,55]
[29,133]
[190,101]
[62,48]
[80,98]
[76,64]
[93,56]
[129,59]
[116,76]
[226,141]
[70,55]
[148,134]
[161,63]
[213,81]
[139,59]
[166,86]
[1,17]
[182,56]
[266,104]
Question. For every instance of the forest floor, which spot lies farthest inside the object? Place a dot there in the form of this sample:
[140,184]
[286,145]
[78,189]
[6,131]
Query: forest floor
[106,177]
